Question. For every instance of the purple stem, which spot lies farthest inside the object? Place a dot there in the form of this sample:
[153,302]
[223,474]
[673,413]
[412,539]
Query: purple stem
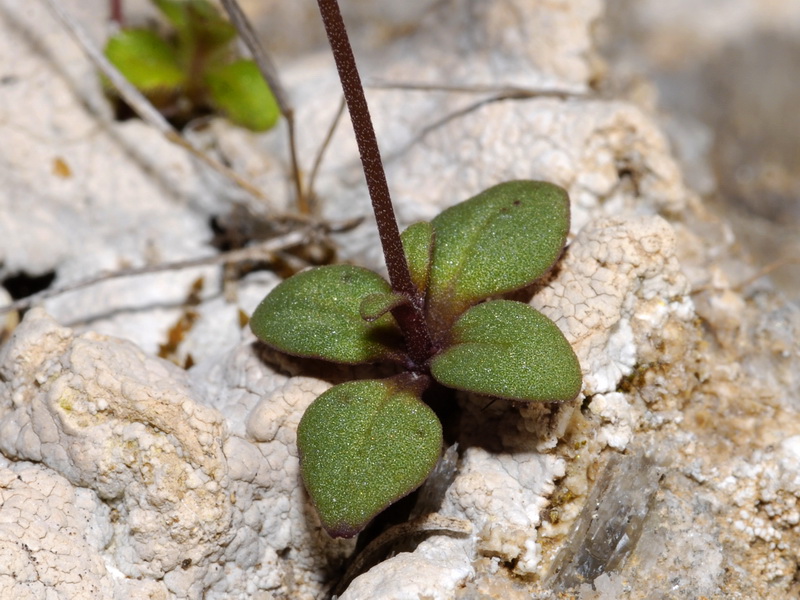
[410,317]
[115,12]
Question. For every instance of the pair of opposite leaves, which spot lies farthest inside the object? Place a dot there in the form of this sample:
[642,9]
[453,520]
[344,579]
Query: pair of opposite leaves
[365,444]
[198,62]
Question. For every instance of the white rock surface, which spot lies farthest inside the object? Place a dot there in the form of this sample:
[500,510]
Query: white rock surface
[124,476]
[435,569]
[619,280]
[503,496]
[51,536]
[184,499]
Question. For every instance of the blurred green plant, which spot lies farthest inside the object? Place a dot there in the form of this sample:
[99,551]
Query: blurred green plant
[194,69]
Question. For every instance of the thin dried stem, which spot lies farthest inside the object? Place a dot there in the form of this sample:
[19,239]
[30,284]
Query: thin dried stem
[312,178]
[259,252]
[506,91]
[270,74]
[762,272]
[498,95]
[766,270]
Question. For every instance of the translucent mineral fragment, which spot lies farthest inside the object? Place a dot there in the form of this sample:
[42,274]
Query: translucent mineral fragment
[611,522]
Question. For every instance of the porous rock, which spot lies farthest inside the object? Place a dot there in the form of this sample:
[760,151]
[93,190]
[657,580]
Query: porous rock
[156,482]
[179,493]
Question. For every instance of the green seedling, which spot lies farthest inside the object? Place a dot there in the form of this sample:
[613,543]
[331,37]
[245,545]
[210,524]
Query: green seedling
[365,444]
[196,69]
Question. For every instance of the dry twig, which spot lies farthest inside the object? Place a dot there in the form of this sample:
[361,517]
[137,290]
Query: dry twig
[507,91]
[270,74]
[495,94]
[762,272]
[321,152]
[257,252]
[430,524]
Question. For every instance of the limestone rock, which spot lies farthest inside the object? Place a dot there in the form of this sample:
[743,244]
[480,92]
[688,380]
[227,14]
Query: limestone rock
[125,476]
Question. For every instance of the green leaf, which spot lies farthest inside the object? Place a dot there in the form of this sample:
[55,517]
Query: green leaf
[510,350]
[498,241]
[146,60]
[203,37]
[197,22]
[239,91]
[418,248]
[375,306]
[175,12]
[316,314]
[364,445]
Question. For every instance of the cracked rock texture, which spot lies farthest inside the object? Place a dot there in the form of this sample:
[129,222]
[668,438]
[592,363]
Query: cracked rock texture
[125,475]
[52,534]
[177,491]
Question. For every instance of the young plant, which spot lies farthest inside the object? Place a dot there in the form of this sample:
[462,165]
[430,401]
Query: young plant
[365,444]
[196,69]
